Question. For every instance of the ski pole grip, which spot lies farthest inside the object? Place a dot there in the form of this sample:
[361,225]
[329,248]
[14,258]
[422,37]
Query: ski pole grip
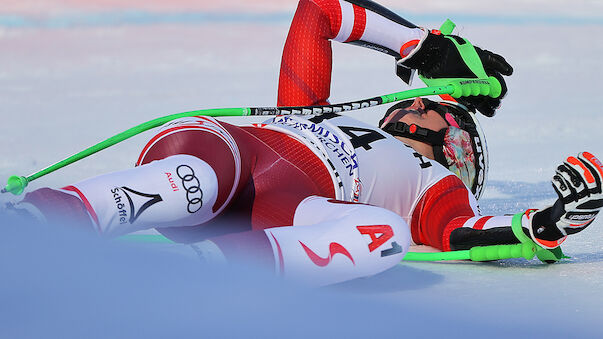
[473,87]
[15,185]
[487,253]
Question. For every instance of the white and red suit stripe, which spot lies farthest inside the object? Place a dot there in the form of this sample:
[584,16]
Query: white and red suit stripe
[347,21]
[87,205]
[479,222]
[350,22]
[487,222]
[305,75]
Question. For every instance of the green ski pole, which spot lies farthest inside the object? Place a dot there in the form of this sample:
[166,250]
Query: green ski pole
[525,249]
[457,88]
[478,253]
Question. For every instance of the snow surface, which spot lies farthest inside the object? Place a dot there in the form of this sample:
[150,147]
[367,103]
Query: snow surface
[75,72]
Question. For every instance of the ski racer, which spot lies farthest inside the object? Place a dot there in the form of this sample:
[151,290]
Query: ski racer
[326,198]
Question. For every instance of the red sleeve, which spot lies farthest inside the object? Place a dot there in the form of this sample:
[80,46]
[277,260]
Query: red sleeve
[305,75]
[444,207]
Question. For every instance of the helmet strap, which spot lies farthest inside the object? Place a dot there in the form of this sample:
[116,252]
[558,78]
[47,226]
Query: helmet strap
[438,154]
[416,132]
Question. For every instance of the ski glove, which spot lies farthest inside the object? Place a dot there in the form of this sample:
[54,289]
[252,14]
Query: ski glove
[578,184]
[438,57]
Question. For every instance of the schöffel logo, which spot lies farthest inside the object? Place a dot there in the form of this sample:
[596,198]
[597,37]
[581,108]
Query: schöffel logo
[137,203]
[192,186]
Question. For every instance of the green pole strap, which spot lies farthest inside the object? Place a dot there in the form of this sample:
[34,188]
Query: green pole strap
[517,228]
[447,27]
[543,254]
[455,87]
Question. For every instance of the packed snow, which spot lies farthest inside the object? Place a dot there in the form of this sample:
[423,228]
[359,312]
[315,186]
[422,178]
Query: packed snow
[76,72]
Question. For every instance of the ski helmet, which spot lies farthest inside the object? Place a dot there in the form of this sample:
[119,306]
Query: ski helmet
[461,147]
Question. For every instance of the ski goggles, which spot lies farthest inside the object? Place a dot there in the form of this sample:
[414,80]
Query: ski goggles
[452,146]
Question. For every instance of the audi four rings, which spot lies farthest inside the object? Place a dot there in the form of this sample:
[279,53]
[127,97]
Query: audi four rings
[191,184]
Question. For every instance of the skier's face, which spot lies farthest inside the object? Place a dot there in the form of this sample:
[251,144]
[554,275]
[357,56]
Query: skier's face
[429,119]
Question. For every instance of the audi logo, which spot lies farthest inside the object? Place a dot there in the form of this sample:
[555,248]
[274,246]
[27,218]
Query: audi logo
[192,186]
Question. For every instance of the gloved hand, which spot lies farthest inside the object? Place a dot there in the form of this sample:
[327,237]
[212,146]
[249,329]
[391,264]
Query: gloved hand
[578,184]
[438,57]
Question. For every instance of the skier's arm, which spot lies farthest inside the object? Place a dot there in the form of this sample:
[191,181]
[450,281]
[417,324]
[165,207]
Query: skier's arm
[305,74]
[444,216]
[578,184]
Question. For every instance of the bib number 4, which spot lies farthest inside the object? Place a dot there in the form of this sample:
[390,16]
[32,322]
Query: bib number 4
[361,137]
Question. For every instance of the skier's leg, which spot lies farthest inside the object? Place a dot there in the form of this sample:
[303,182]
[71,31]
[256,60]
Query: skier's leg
[174,187]
[206,139]
[178,190]
[331,241]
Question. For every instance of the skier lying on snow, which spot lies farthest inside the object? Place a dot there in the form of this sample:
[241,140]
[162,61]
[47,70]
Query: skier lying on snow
[327,198]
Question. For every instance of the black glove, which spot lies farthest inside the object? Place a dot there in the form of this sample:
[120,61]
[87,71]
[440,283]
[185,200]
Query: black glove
[438,57]
[578,185]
